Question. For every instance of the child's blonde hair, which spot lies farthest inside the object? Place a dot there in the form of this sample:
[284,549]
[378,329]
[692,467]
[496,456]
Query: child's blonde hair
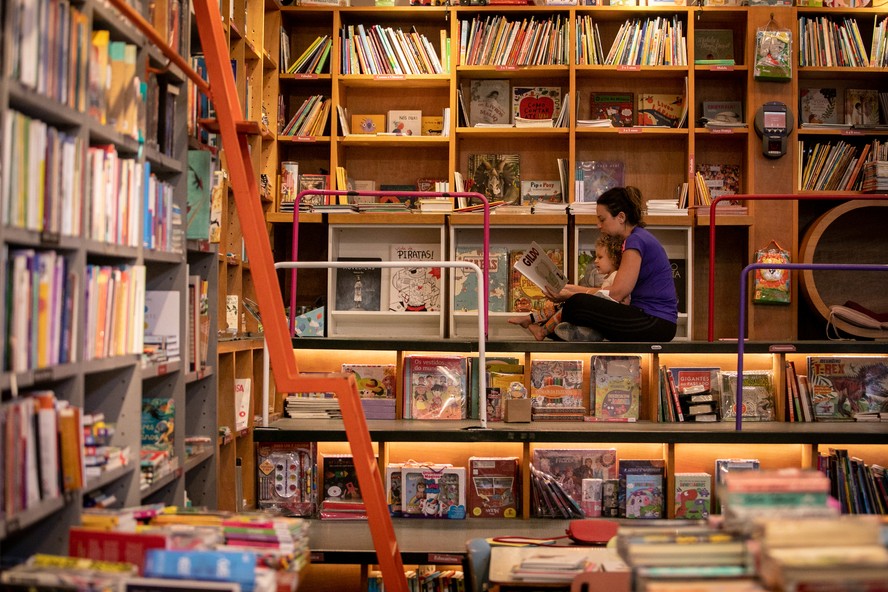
[613,246]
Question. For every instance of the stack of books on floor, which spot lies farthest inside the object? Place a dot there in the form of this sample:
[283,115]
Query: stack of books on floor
[312,406]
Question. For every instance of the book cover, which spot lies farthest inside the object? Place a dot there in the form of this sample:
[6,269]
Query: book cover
[861,106]
[664,110]
[644,495]
[724,466]
[721,179]
[591,497]
[615,386]
[199,177]
[619,107]
[313,181]
[435,387]
[536,102]
[375,381]
[846,385]
[492,487]
[570,466]
[556,383]
[757,396]
[358,288]
[243,402]
[679,276]
[339,479]
[594,177]
[640,494]
[524,295]
[723,111]
[713,44]
[539,268]
[393,488]
[404,122]
[818,105]
[367,123]
[541,191]
[693,493]
[433,491]
[158,422]
[705,377]
[496,176]
[489,102]
[415,289]
[465,291]
[432,125]
[126,547]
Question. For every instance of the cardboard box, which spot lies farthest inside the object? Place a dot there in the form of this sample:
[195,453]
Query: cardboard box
[517,411]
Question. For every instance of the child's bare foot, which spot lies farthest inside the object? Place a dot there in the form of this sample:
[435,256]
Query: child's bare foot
[525,321]
[538,331]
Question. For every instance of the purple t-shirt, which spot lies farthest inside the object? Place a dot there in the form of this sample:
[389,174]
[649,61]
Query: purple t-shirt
[654,291]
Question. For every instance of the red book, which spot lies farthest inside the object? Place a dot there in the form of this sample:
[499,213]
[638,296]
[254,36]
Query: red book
[128,547]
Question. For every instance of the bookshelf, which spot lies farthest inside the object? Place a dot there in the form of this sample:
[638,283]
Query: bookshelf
[679,151]
[97,367]
[670,157]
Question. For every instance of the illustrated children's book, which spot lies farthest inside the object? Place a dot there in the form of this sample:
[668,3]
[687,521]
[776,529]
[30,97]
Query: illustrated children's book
[642,483]
[496,176]
[541,191]
[376,387]
[493,487]
[339,479]
[861,106]
[465,290]
[489,102]
[594,177]
[433,491]
[721,179]
[536,102]
[619,107]
[663,110]
[415,289]
[693,493]
[556,383]
[844,386]
[158,422]
[540,269]
[757,398]
[435,387]
[714,45]
[404,122]
[570,466]
[615,386]
[358,288]
[525,295]
[818,105]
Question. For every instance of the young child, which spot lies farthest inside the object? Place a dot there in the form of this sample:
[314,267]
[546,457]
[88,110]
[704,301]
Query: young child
[608,253]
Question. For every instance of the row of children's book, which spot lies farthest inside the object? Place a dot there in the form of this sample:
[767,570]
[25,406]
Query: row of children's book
[611,387]
[576,483]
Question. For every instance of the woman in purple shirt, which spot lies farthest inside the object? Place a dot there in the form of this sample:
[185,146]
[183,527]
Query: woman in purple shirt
[645,277]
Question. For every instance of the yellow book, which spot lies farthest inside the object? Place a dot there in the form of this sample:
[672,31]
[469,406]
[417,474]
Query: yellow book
[99,79]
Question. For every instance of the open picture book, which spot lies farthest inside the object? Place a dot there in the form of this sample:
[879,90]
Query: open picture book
[539,268]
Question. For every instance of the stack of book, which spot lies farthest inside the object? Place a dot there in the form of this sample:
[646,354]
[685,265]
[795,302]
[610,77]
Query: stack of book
[312,406]
[669,551]
[552,565]
[875,177]
[841,553]
[787,493]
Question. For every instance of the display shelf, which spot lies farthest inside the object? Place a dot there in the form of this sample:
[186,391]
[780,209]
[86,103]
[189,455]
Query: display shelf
[408,430]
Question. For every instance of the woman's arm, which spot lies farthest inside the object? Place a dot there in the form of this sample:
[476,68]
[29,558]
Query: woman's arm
[627,275]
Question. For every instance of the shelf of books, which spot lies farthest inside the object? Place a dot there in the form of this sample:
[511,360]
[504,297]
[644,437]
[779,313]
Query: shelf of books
[98,339]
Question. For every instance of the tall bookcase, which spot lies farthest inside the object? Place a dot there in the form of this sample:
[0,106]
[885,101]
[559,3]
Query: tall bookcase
[656,160]
[670,155]
[113,382]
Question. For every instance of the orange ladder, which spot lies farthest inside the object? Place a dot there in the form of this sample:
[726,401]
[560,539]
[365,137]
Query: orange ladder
[268,293]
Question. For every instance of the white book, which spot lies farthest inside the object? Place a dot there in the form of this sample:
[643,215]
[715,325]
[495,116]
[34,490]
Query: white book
[539,268]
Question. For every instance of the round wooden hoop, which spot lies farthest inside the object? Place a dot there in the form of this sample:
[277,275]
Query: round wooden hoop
[806,254]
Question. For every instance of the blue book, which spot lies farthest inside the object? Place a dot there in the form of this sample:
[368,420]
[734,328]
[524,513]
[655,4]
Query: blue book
[465,291]
[214,566]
